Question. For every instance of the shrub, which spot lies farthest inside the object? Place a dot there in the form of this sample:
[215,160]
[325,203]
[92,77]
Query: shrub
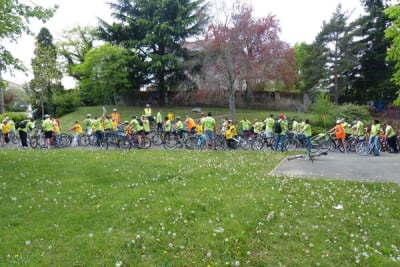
[66,102]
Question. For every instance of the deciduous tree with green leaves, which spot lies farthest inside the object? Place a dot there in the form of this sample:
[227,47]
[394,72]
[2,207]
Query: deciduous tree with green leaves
[156,30]
[105,74]
[393,53]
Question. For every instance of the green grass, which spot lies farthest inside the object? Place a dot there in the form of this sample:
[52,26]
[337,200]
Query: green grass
[187,208]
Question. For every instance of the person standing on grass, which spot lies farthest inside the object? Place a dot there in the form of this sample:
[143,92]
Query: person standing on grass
[391,137]
[47,126]
[269,126]
[209,130]
[280,137]
[148,113]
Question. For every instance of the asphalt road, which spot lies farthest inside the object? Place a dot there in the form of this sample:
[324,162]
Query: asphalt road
[335,165]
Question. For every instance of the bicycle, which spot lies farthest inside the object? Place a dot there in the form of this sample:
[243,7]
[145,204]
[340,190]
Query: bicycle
[261,141]
[364,148]
[311,155]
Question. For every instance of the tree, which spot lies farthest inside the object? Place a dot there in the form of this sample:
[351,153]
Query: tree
[334,39]
[156,30]
[371,78]
[104,74]
[14,21]
[74,46]
[393,53]
[47,78]
[246,53]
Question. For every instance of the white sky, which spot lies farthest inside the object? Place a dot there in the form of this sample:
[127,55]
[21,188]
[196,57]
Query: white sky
[300,20]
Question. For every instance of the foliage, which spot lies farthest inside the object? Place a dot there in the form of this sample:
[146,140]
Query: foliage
[104,74]
[244,52]
[15,116]
[66,102]
[73,47]
[330,112]
[46,76]
[15,18]
[96,208]
[334,39]
[371,81]
[393,54]
[156,31]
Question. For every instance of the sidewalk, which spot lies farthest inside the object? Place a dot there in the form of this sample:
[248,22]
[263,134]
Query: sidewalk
[335,165]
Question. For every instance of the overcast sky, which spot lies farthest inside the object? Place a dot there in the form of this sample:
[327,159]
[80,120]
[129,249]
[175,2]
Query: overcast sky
[300,20]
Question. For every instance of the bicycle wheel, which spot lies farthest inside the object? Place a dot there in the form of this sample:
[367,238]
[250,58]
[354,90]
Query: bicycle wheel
[103,142]
[157,139]
[146,142]
[244,143]
[363,148]
[170,142]
[257,144]
[33,142]
[84,140]
[124,142]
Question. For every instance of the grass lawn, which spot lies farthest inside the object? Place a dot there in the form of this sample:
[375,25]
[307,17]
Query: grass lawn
[187,208]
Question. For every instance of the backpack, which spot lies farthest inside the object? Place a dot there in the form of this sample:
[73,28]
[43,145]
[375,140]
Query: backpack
[278,127]
[22,124]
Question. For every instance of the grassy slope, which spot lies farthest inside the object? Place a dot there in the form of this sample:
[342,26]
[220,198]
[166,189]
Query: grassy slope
[187,208]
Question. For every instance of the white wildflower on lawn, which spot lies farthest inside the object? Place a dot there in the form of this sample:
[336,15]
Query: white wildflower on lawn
[236,263]
[219,230]
[209,254]
[170,245]
[338,207]
[118,264]
[90,235]
[270,216]
[28,242]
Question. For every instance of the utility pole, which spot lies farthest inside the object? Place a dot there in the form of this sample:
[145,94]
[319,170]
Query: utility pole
[2,85]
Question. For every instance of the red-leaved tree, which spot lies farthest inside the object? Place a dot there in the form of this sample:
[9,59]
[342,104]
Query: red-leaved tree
[246,53]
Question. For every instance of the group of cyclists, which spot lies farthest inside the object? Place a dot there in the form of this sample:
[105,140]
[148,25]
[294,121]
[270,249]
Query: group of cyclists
[204,128]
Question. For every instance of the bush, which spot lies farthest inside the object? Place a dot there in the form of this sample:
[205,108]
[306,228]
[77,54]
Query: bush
[66,102]
[330,113]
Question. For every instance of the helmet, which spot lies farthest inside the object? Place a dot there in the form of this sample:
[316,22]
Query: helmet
[338,121]
[114,109]
[126,122]
[47,116]
[88,115]
[147,105]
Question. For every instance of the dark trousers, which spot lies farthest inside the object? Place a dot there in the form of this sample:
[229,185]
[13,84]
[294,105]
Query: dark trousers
[392,143]
[24,138]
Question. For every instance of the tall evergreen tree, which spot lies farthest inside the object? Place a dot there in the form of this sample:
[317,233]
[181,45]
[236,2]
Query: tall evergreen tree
[47,77]
[371,79]
[156,30]
[334,39]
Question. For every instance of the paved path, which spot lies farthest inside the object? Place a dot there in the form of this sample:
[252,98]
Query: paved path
[385,168]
